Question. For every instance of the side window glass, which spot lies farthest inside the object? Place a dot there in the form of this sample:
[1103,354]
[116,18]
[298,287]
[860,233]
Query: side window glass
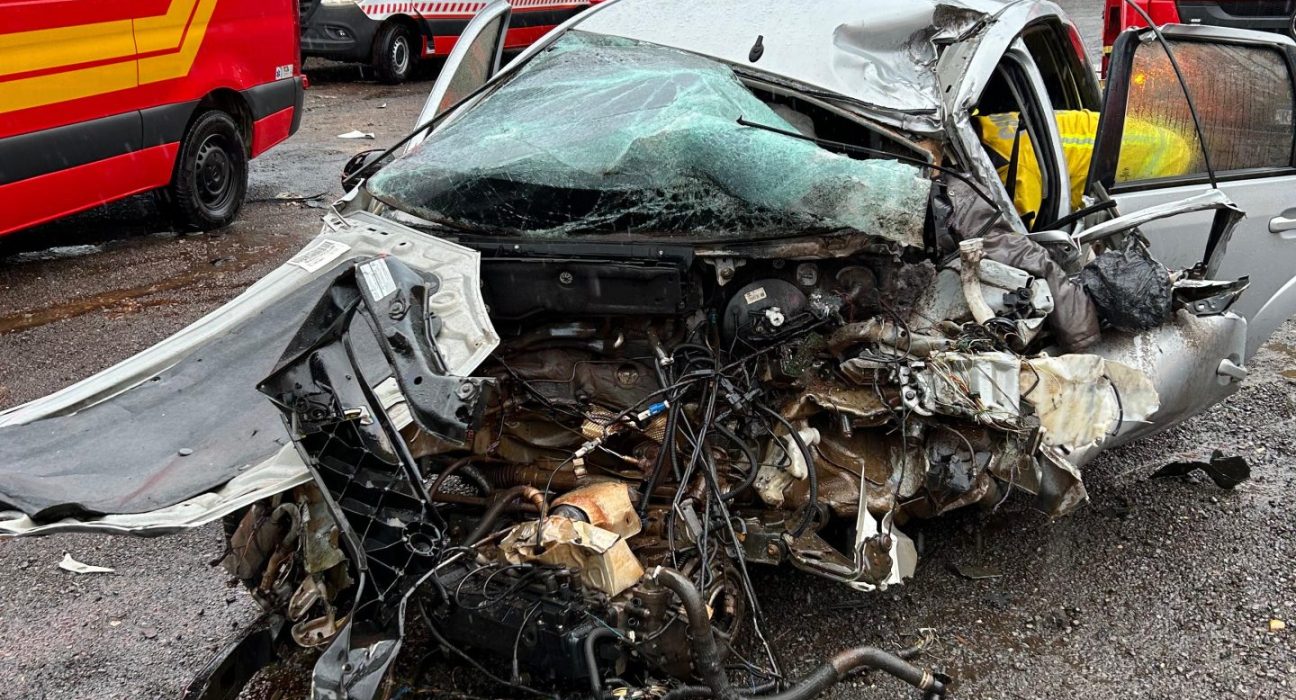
[478,64]
[1057,55]
[1245,111]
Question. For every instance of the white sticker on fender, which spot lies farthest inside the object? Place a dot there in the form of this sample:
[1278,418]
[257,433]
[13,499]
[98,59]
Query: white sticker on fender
[319,253]
[377,278]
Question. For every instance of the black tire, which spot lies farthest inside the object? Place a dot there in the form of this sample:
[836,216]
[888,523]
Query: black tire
[211,174]
[395,55]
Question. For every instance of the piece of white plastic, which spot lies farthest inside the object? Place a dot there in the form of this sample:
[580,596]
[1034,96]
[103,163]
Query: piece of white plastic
[76,567]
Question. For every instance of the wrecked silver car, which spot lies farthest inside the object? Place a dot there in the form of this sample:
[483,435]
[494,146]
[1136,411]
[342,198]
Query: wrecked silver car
[684,289]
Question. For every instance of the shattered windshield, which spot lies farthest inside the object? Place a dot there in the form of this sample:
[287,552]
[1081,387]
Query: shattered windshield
[601,135]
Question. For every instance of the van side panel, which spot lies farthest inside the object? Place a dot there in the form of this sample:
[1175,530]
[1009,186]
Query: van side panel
[74,72]
[57,194]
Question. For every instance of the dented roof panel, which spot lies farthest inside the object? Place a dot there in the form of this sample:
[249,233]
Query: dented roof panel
[881,54]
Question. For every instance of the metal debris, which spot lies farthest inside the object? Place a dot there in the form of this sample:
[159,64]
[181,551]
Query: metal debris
[1226,472]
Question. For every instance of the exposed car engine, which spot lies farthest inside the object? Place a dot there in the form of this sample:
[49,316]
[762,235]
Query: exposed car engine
[586,507]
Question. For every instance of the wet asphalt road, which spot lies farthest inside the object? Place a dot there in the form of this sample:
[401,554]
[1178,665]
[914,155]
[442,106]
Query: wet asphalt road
[1157,589]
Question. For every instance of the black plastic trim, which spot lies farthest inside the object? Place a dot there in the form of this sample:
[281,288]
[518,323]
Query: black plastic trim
[316,39]
[165,124]
[299,102]
[267,98]
[50,150]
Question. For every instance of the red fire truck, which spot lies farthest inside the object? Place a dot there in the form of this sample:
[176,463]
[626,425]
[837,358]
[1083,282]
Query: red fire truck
[102,100]
[1264,15]
[393,36]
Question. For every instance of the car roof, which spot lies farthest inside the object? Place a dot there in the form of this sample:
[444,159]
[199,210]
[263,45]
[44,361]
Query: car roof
[881,53]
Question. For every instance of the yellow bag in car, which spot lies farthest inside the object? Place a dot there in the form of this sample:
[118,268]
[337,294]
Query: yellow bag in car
[1147,151]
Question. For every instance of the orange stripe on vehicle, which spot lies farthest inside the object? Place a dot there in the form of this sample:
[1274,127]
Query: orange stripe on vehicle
[162,47]
[24,52]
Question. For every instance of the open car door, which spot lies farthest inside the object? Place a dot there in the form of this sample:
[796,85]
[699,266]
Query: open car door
[474,60]
[1241,85]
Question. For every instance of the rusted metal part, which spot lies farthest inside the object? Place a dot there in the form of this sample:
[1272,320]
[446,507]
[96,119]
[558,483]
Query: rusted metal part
[860,403]
[885,332]
[602,557]
[605,505]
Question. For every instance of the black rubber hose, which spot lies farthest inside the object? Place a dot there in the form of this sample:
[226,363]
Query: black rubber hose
[659,464]
[812,502]
[497,507]
[479,480]
[820,679]
[752,462]
[591,661]
[706,655]
[933,685]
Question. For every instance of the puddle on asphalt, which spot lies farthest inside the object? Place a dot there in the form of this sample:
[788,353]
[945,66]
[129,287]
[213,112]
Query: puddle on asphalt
[56,253]
[1289,352]
[130,298]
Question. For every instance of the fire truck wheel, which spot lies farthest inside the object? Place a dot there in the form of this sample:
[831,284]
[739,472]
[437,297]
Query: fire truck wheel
[395,54]
[211,174]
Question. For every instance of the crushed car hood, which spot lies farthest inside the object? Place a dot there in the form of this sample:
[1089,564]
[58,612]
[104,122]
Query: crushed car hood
[179,435]
[879,54]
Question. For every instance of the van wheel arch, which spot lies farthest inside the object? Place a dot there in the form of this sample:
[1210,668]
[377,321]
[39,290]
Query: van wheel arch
[387,60]
[231,103]
[210,177]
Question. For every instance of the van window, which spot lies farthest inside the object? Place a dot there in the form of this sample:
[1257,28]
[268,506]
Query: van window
[1245,128]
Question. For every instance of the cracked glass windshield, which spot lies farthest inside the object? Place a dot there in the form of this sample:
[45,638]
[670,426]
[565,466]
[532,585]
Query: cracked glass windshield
[599,135]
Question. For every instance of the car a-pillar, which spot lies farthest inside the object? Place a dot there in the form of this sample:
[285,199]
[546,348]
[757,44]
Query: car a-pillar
[210,176]
[396,50]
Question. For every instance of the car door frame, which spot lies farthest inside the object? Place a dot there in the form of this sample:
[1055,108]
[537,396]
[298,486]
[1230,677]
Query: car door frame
[968,145]
[1282,303]
[482,22]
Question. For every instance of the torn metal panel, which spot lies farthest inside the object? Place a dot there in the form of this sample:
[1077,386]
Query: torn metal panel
[281,472]
[1185,361]
[184,416]
[602,557]
[1210,200]
[1083,399]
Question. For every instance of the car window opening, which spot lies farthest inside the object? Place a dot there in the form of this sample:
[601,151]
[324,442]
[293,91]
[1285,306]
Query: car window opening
[1029,173]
